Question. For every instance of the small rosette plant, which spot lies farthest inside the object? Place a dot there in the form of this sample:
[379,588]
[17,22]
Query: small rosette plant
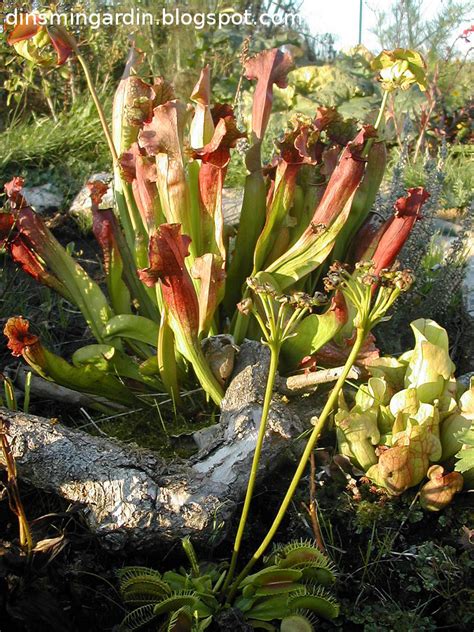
[287,594]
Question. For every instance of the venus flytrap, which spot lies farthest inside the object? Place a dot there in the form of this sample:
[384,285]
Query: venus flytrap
[292,587]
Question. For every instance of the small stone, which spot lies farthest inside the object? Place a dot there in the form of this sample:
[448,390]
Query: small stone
[465,379]
[43,198]
[231,205]
[81,204]
[231,200]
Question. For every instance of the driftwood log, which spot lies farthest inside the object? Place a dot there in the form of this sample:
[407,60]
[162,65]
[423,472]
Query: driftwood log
[131,496]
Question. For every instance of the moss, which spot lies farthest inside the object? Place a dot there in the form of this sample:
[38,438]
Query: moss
[162,429]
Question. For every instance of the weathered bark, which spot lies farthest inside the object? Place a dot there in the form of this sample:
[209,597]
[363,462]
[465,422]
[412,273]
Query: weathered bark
[309,382]
[133,497]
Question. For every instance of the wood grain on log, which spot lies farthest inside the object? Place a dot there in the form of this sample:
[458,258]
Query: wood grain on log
[131,496]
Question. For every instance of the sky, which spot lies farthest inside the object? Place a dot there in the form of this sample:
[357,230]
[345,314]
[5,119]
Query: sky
[341,18]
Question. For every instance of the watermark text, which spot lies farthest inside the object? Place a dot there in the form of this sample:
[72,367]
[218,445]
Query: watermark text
[163,17]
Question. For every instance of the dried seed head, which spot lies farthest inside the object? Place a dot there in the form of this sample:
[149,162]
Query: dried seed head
[296,296]
[319,299]
[369,279]
[245,306]
[262,287]
[301,300]
[244,51]
[336,276]
[401,279]
[318,229]
[365,267]
[268,288]
[387,277]
[338,266]
[404,280]
[332,282]
[253,284]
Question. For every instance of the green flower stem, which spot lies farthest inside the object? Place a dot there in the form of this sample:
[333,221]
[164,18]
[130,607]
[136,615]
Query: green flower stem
[134,218]
[382,109]
[293,321]
[275,354]
[370,142]
[98,105]
[134,224]
[331,402]
[382,304]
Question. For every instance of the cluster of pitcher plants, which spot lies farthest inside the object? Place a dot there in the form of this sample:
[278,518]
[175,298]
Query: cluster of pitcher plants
[174,274]
[309,271]
[409,418]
